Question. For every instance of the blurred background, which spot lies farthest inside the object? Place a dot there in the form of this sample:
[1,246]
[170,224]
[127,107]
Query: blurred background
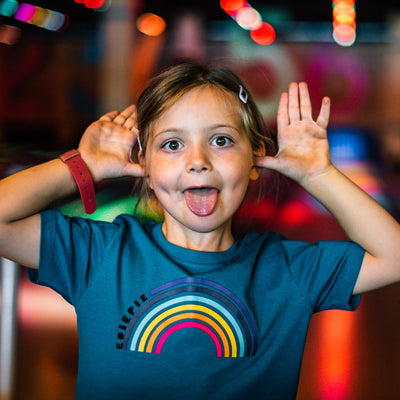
[65,63]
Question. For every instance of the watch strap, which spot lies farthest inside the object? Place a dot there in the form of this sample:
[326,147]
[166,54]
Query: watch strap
[83,180]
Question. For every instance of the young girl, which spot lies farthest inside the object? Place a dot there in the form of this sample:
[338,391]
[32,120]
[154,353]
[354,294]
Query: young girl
[182,310]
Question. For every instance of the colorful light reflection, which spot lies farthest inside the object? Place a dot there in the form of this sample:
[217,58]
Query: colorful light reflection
[247,17]
[34,15]
[344,22]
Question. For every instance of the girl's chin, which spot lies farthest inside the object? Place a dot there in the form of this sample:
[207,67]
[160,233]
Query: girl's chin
[204,224]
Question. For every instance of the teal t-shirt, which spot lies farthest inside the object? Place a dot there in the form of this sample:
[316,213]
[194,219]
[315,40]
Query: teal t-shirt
[158,321]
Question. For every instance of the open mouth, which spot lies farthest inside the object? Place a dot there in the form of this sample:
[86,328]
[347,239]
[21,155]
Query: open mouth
[201,201]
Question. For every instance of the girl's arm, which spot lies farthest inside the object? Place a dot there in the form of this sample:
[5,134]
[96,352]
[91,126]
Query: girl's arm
[105,147]
[304,156]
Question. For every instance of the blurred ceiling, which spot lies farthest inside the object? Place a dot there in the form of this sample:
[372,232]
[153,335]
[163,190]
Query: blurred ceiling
[82,18]
[294,10]
[306,10]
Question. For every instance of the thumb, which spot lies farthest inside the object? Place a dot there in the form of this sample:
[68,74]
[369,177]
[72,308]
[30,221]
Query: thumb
[270,162]
[134,169]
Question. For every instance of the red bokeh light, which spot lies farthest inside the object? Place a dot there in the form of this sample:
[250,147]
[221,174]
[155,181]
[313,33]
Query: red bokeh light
[264,35]
[231,7]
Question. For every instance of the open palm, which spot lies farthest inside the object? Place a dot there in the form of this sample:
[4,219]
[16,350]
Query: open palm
[107,145]
[303,149]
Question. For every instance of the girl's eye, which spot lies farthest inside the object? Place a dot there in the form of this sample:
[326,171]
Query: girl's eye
[221,141]
[172,145]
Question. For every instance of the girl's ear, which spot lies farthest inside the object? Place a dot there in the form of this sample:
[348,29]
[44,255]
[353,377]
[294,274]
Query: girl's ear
[143,164]
[140,157]
[259,152]
[254,174]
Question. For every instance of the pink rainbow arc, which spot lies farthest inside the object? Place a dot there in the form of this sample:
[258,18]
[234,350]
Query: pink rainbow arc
[189,324]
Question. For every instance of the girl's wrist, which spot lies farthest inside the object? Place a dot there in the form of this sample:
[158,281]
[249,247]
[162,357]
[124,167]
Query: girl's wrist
[316,179]
[82,177]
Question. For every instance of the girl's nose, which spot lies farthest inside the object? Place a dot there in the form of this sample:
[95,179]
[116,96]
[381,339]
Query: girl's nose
[198,160]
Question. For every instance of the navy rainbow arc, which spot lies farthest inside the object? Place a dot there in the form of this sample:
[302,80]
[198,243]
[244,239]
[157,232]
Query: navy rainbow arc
[193,303]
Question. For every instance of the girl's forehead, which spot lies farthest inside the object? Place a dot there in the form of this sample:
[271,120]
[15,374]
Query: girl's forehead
[211,92]
[205,97]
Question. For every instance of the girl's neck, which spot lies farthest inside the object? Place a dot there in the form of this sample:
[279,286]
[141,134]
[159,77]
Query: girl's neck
[218,240]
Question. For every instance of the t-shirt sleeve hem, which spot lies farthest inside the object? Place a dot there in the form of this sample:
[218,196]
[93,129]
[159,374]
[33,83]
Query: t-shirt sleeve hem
[44,274]
[349,280]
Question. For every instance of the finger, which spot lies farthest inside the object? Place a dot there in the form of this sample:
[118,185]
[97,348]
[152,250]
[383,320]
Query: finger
[294,110]
[130,122]
[109,116]
[130,110]
[282,118]
[323,117]
[305,102]
[122,117]
[134,169]
[269,162]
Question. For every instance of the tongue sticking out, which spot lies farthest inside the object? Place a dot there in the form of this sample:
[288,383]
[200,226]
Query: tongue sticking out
[201,201]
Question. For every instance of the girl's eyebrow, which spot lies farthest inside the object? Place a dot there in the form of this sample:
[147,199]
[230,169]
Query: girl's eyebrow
[168,130]
[213,127]
[217,126]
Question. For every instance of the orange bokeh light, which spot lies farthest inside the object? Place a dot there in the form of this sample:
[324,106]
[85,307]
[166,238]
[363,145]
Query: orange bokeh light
[9,34]
[150,24]
[344,22]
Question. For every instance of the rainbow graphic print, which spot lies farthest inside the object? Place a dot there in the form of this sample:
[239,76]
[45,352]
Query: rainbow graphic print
[193,303]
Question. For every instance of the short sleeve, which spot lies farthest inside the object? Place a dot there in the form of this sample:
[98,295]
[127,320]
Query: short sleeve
[70,250]
[325,272]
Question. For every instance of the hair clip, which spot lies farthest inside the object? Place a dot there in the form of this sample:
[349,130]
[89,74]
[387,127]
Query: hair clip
[243,96]
[140,145]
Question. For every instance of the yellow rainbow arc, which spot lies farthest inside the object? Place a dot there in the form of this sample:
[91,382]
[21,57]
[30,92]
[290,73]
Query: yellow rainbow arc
[154,333]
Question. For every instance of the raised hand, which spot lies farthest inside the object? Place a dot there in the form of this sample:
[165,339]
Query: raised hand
[303,150]
[107,145]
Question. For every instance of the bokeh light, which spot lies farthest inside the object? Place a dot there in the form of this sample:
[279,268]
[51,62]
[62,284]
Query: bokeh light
[8,8]
[248,18]
[93,4]
[34,15]
[344,22]
[9,34]
[264,35]
[150,24]
[25,12]
[231,7]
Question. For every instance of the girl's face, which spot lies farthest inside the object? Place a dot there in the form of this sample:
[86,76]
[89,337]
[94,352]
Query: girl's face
[199,161]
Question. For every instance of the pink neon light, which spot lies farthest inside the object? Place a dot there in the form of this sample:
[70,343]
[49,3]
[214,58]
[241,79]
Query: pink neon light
[25,12]
[189,324]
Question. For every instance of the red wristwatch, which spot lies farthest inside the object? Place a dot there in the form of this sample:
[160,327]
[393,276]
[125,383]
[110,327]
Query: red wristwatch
[82,178]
